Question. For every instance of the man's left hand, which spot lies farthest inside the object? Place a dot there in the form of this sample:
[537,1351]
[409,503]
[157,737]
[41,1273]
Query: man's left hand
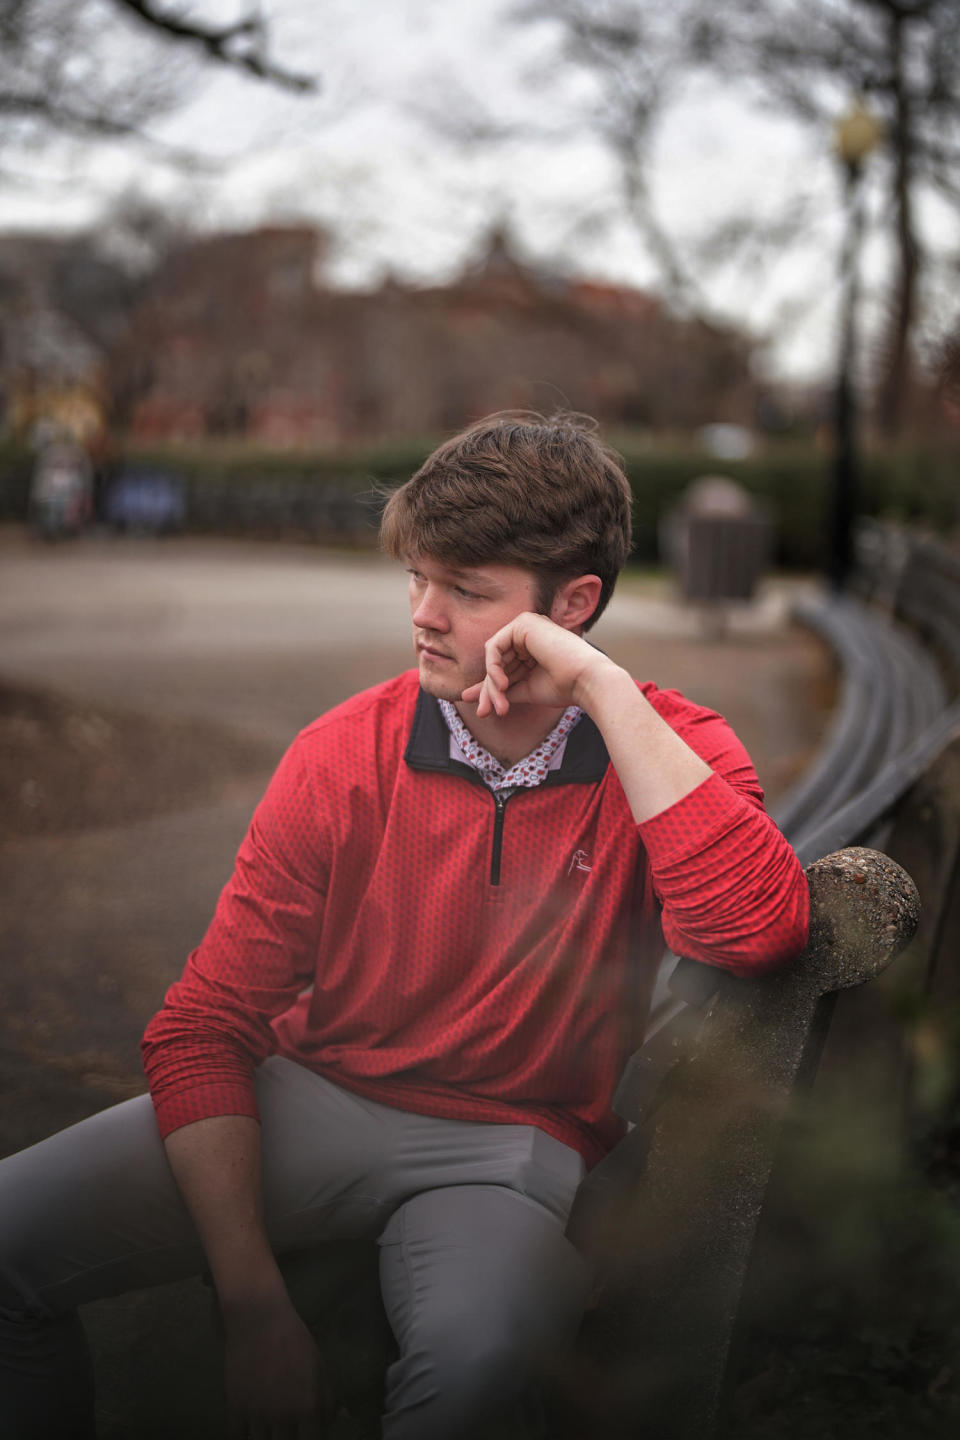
[534,661]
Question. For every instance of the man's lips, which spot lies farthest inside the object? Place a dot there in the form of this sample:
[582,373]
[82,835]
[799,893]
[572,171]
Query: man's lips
[433,654]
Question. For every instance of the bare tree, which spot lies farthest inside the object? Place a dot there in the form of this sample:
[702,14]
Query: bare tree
[243,44]
[637,51]
[804,58]
[101,69]
[810,57]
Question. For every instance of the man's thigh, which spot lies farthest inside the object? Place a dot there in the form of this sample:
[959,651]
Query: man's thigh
[90,1212]
[94,1210]
[341,1163]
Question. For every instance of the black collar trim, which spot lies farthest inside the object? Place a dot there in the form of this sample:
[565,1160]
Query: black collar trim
[585,758]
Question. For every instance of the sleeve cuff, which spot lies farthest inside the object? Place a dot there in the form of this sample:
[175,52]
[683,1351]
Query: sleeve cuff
[203,1102]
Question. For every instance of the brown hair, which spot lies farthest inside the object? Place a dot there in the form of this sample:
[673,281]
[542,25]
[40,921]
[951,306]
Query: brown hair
[518,489]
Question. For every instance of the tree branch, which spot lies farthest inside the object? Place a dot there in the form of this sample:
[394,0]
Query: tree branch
[42,107]
[238,45]
[97,125]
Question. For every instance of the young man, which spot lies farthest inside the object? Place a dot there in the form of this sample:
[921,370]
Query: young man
[413,1004]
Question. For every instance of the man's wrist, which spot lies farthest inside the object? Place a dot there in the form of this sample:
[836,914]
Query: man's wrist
[246,1274]
[602,684]
[251,1301]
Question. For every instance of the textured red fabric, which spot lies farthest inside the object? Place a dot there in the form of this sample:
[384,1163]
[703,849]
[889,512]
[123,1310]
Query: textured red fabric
[361,934]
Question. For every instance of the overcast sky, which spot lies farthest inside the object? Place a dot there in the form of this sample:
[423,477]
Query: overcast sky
[371,155]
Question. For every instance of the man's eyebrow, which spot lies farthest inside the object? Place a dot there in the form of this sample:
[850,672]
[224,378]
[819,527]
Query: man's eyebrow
[464,572]
[474,577]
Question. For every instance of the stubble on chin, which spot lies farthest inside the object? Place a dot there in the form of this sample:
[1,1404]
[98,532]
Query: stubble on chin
[445,687]
[436,686]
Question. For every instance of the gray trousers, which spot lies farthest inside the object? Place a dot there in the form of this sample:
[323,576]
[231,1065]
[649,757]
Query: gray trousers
[478,1280]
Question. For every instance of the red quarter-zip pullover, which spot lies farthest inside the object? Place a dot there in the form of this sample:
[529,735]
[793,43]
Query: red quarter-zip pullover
[395,926]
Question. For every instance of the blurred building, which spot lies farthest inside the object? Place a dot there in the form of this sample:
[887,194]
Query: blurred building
[238,334]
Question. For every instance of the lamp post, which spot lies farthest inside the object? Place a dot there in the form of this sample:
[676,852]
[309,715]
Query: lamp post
[856,134]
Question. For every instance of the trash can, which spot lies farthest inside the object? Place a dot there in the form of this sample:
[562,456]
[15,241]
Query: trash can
[718,541]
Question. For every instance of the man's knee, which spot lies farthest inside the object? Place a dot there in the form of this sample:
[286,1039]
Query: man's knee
[482,1287]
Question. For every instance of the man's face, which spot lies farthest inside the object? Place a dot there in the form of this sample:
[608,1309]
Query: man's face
[455,611]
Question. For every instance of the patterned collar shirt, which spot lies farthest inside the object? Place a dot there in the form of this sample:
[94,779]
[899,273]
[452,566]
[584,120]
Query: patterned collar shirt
[531,770]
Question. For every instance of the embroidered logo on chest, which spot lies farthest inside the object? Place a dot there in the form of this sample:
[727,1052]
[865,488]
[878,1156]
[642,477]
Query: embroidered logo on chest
[579,860]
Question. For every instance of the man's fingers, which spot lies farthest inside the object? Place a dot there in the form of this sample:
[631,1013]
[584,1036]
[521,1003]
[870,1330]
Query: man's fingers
[507,665]
[482,698]
[499,663]
[499,686]
[491,698]
[520,693]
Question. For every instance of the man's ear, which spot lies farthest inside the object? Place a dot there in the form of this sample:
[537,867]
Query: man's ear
[575,601]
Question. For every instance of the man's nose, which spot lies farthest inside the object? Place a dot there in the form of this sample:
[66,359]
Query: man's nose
[430,613]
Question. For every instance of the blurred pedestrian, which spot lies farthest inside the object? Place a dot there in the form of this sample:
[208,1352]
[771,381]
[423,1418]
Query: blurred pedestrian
[61,490]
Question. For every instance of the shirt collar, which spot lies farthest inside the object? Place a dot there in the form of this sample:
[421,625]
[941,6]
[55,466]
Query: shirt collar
[585,758]
[530,771]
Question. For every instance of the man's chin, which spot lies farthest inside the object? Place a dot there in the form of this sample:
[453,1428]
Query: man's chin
[439,686]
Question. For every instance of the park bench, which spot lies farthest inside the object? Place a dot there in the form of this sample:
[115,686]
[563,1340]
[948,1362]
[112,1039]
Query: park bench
[709,1091]
[672,1215]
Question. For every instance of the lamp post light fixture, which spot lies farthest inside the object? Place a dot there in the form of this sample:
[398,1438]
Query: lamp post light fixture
[856,134]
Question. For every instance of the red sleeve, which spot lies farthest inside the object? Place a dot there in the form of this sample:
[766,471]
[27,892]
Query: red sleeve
[258,954]
[732,890]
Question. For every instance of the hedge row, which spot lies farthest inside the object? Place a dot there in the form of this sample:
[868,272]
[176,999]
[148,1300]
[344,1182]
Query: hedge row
[329,495]
[794,485]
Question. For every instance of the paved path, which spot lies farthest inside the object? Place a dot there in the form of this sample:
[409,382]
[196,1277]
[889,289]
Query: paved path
[264,637]
[261,637]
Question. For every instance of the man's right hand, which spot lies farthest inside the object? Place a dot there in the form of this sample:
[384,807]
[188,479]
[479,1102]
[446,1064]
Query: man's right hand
[275,1378]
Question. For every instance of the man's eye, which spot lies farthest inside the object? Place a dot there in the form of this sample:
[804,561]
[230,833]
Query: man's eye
[467,594]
